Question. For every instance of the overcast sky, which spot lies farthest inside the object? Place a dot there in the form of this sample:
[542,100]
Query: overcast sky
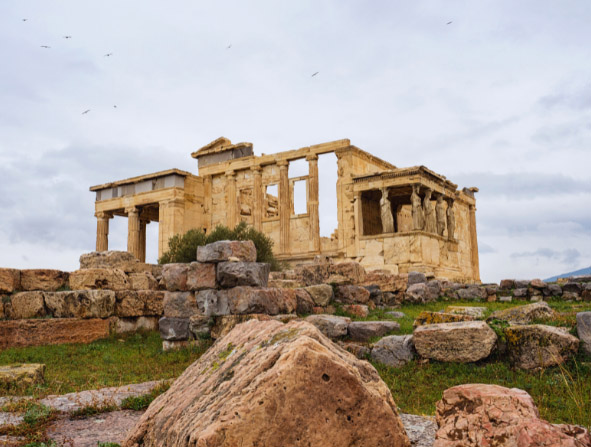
[499,99]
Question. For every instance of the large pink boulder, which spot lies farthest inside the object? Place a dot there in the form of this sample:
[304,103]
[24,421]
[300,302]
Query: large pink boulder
[479,415]
[274,385]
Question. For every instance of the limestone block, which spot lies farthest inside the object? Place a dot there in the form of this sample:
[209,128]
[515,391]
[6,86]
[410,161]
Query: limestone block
[476,312]
[338,280]
[584,331]
[10,280]
[284,283]
[290,364]
[364,330]
[180,305]
[330,325]
[396,314]
[523,314]
[175,277]
[142,281]
[461,342]
[43,279]
[224,250]
[107,259]
[232,274]
[553,290]
[27,305]
[352,294]
[224,324]
[571,296]
[507,284]
[21,375]
[37,332]
[305,303]
[200,326]
[359,350]
[428,317]
[521,283]
[321,294]
[416,293]
[201,276]
[359,310]
[539,346]
[130,325]
[433,291]
[99,278]
[174,329]
[136,303]
[375,293]
[520,293]
[81,303]
[537,284]
[212,303]
[250,300]
[573,287]
[397,250]
[387,281]
[473,293]
[416,278]
[475,415]
[351,270]
[394,350]
[311,274]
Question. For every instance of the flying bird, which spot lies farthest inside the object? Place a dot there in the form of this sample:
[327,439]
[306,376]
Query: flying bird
[115,107]
[24,20]
[108,54]
[228,47]
[45,46]
[85,112]
[315,73]
[67,37]
[450,22]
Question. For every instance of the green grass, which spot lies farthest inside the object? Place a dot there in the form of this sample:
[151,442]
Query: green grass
[113,361]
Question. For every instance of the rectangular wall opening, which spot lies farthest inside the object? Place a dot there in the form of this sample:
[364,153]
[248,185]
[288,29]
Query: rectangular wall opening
[271,201]
[371,213]
[327,194]
[300,197]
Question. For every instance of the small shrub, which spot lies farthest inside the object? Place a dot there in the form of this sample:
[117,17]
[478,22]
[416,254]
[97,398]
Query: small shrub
[90,410]
[36,414]
[183,248]
[139,403]
[108,444]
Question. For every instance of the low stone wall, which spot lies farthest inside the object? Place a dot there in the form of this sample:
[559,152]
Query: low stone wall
[112,292]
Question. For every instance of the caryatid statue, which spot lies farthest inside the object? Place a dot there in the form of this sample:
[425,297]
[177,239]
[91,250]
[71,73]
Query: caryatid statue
[430,225]
[451,219]
[440,215]
[386,212]
[417,209]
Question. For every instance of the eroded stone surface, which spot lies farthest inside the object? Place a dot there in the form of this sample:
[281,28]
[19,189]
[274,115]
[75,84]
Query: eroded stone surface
[305,303]
[352,294]
[476,415]
[180,305]
[81,303]
[394,350]
[523,314]
[428,317]
[330,325]
[201,276]
[43,279]
[474,311]
[321,294]
[27,305]
[224,324]
[174,329]
[21,375]
[232,274]
[99,278]
[584,330]
[132,303]
[539,346]
[280,370]
[464,341]
[364,330]
[10,280]
[250,300]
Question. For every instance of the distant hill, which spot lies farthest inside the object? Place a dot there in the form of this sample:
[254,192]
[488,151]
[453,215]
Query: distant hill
[586,271]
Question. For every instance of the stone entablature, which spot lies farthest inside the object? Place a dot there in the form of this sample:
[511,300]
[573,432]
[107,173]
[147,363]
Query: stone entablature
[401,219]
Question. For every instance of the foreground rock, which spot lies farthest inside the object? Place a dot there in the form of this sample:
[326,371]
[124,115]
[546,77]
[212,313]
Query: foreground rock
[584,330]
[330,325]
[523,314]
[539,346]
[476,415]
[289,386]
[364,330]
[428,317]
[227,251]
[395,350]
[464,341]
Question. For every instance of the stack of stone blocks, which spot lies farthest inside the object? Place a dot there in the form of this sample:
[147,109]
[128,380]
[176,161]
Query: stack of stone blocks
[223,287]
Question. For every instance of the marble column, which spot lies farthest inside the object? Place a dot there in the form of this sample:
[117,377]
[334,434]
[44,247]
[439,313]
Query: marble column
[133,231]
[207,192]
[143,224]
[231,199]
[171,218]
[257,197]
[102,231]
[284,206]
[313,213]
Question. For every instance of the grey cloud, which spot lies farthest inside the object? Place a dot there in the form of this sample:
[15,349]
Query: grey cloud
[578,99]
[484,248]
[569,256]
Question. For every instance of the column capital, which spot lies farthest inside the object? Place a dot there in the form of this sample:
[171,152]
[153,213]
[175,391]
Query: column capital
[231,173]
[132,210]
[256,169]
[283,164]
[176,201]
[103,215]
[312,157]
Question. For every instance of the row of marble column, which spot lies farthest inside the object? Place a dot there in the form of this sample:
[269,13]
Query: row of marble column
[284,198]
[136,232]
[425,217]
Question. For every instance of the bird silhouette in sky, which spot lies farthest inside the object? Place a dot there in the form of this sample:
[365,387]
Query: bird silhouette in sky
[24,20]
[86,111]
[228,47]
[315,73]
[108,55]
[67,37]
[45,46]
[114,106]
[450,22]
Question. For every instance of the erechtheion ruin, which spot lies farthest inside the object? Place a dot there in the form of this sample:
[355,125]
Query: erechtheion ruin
[401,219]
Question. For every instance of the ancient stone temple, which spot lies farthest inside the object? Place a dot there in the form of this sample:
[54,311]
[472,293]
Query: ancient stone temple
[401,219]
